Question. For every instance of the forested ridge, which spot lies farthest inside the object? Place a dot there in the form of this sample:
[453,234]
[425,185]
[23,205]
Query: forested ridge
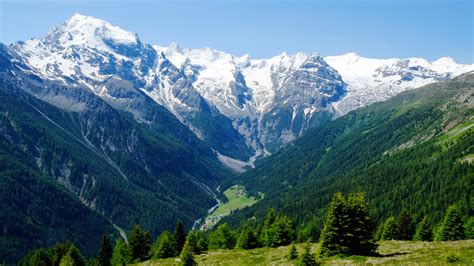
[407,153]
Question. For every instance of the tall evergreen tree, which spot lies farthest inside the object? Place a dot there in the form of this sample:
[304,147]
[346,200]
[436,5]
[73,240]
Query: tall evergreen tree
[469,228]
[140,244]
[39,257]
[307,258]
[76,256]
[164,246]
[359,234]
[390,229]
[105,252]
[247,238]
[267,235]
[202,241]
[336,225]
[222,238]
[187,254]
[121,254]
[452,226]
[179,236]
[405,227]
[423,231]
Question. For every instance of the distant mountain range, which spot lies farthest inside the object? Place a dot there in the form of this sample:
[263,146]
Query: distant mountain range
[122,132]
[240,106]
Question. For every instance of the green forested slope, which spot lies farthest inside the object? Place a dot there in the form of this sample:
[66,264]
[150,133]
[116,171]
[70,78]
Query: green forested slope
[70,175]
[409,152]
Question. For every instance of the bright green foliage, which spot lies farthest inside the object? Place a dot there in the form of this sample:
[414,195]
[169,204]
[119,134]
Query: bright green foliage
[40,257]
[247,238]
[424,231]
[469,228]
[179,236]
[292,253]
[121,254]
[222,238]
[335,228]
[164,246]
[76,256]
[277,231]
[105,252]
[140,244]
[67,260]
[202,241]
[311,232]
[187,254]
[390,229]
[378,232]
[307,258]
[452,226]
[192,242]
[405,227]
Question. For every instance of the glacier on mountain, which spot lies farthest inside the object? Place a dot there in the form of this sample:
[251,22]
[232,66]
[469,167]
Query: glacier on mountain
[240,106]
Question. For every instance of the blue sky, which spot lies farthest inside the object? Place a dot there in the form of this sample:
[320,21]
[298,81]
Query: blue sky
[382,29]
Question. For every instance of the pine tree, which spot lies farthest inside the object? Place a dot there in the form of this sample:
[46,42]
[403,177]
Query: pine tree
[423,231]
[358,236]
[292,253]
[67,260]
[267,236]
[405,227]
[451,227]
[390,229]
[222,238]
[202,241]
[247,238]
[39,257]
[307,258]
[179,236]
[121,253]
[76,256]
[140,244]
[105,252]
[335,227]
[187,254]
[164,246]
[192,242]
[469,228]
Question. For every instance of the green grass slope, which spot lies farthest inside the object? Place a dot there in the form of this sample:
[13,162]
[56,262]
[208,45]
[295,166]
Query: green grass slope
[391,253]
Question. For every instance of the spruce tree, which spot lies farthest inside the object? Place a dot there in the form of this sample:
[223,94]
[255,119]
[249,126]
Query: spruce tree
[202,241]
[469,228]
[187,254]
[39,257]
[222,238]
[76,256]
[192,242]
[307,258]
[179,236]
[405,227]
[390,229]
[359,239]
[121,253]
[423,231]
[140,244]
[67,260]
[451,227]
[247,238]
[105,252]
[267,235]
[335,227]
[164,246]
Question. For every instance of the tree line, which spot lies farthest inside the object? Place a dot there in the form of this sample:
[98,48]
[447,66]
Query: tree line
[349,229]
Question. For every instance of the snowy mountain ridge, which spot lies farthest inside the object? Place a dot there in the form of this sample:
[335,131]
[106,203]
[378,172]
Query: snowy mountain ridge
[239,105]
